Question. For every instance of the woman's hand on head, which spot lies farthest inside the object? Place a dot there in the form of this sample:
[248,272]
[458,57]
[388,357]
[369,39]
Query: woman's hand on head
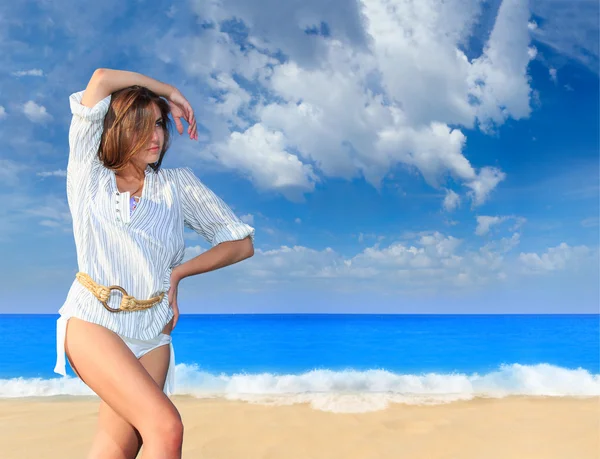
[181,108]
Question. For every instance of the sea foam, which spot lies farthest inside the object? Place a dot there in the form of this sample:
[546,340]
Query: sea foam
[347,391]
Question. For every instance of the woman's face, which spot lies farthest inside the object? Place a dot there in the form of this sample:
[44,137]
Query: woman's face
[151,153]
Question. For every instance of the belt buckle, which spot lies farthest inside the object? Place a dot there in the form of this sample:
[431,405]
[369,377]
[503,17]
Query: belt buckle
[110,289]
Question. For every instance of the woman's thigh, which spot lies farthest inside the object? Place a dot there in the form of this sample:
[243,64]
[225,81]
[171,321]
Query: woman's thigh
[105,364]
[117,437]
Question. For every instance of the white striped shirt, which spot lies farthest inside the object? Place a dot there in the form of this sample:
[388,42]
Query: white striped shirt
[136,251]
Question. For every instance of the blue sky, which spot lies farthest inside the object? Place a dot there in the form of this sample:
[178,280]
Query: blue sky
[415,158]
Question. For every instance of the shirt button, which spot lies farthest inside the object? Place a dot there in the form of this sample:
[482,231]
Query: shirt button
[118,219]
[118,210]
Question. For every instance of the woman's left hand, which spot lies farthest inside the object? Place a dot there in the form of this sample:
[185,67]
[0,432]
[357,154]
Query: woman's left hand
[181,108]
[173,300]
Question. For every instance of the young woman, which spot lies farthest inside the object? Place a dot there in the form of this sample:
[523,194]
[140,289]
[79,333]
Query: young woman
[128,219]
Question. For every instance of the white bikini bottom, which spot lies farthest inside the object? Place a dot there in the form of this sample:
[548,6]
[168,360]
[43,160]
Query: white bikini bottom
[137,346]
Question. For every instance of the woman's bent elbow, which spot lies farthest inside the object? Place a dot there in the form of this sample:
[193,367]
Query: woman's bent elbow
[99,73]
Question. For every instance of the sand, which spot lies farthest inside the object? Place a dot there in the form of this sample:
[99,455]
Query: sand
[512,427]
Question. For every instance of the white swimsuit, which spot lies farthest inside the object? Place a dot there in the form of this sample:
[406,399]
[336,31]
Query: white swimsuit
[135,250]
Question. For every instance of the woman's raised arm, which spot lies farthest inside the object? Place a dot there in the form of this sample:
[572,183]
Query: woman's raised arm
[107,81]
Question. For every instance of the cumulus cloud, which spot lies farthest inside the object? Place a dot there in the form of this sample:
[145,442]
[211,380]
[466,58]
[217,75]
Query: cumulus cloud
[451,201]
[554,259]
[2,112]
[36,113]
[261,153]
[484,223]
[498,79]
[192,252]
[372,87]
[248,218]
[487,179]
[518,222]
[427,260]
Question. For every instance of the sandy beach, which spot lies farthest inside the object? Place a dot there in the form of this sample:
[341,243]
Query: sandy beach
[513,427]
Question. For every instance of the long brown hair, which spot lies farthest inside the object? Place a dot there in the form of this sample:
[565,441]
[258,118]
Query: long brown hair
[129,125]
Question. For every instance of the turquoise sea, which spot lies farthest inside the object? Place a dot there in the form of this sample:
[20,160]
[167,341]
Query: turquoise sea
[342,362]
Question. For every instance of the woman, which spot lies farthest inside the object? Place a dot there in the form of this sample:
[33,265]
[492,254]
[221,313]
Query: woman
[128,218]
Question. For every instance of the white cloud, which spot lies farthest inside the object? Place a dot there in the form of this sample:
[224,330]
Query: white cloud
[232,100]
[503,245]
[2,112]
[248,218]
[381,90]
[282,25]
[451,201]
[36,113]
[554,259]
[428,261]
[192,252]
[56,173]
[32,72]
[422,263]
[553,74]
[298,221]
[498,79]
[519,221]
[487,179]
[484,223]
[261,152]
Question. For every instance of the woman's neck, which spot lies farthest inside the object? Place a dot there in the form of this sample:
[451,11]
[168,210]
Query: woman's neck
[132,172]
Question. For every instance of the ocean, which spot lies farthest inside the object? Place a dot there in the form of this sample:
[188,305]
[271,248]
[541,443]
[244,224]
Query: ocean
[341,363]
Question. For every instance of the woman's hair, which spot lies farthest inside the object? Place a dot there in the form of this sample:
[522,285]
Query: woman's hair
[129,125]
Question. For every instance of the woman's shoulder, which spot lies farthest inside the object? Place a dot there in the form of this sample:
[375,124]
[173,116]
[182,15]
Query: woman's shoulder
[180,177]
[175,173]
[179,174]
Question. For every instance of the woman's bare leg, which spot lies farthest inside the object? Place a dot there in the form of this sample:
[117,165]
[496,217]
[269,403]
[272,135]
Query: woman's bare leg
[116,438]
[103,362]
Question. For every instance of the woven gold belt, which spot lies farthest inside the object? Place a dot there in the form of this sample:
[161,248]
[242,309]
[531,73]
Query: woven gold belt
[128,303]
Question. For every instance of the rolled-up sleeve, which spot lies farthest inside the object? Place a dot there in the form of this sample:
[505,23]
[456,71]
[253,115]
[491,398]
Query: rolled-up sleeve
[206,213]
[86,128]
